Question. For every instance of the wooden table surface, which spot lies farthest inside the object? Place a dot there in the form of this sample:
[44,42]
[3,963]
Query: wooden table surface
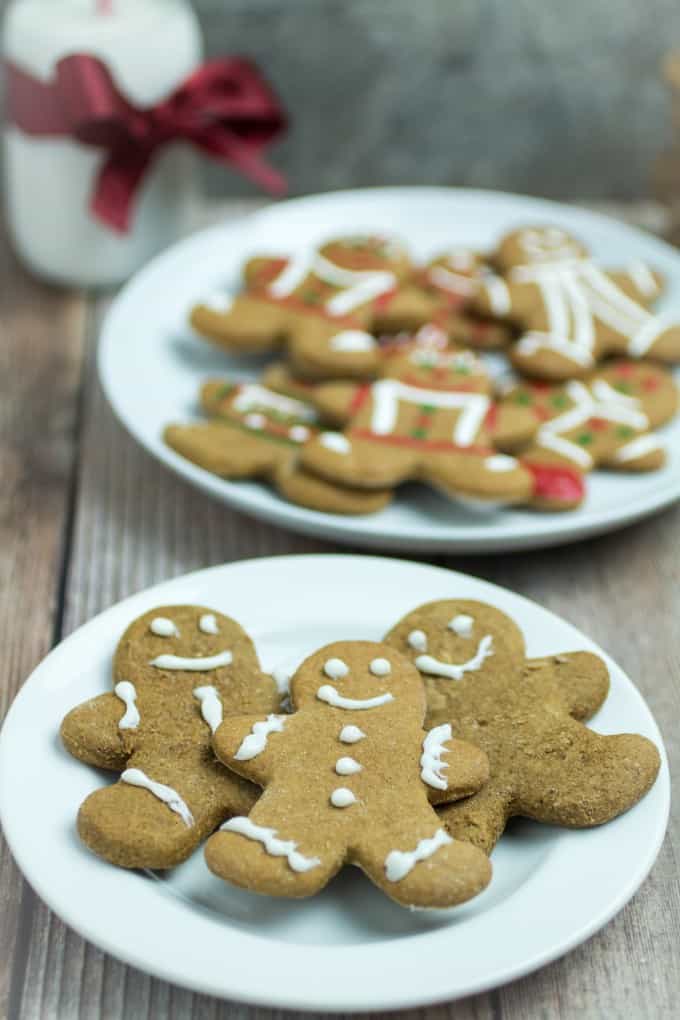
[87,518]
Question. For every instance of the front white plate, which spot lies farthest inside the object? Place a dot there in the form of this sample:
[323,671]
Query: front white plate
[349,948]
[151,365]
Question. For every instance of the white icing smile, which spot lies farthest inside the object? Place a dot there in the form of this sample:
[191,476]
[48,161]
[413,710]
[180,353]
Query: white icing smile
[329,694]
[455,671]
[201,664]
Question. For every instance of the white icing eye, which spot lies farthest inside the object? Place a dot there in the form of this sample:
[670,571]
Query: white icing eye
[336,669]
[462,625]
[380,667]
[255,420]
[500,462]
[162,627]
[417,640]
[335,441]
[299,433]
[352,340]
[208,624]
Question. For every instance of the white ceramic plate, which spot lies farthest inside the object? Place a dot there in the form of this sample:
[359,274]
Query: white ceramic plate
[349,948]
[151,365]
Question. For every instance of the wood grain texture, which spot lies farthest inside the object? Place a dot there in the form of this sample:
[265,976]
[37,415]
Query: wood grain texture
[134,524]
[41,341]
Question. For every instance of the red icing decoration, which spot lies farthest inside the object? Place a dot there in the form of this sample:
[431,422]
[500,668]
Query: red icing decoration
[360,397]
[383,300]
[556,483]
[434,445]
[650,383]
[599,424]
[491,419]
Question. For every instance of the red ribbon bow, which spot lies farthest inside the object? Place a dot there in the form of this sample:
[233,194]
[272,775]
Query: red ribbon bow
[225,108]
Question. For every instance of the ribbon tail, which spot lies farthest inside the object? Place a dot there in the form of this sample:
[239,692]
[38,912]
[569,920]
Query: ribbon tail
[116,186]
[225,147]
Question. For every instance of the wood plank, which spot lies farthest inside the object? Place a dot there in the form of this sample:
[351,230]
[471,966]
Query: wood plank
[41,343]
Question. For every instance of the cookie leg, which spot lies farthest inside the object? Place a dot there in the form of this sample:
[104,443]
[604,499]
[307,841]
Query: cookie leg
[359,463]
[479,819]
[494,478]
[587,779]
[418,864]
[274,851]
[159,812]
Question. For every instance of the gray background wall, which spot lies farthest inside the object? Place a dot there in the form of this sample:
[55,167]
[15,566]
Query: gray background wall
[556,98]
[562,98]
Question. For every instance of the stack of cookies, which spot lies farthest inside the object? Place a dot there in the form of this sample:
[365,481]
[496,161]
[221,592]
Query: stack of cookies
[380,377]
[405,756]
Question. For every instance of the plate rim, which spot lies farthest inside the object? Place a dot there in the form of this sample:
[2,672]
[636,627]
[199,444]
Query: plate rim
[352,1003]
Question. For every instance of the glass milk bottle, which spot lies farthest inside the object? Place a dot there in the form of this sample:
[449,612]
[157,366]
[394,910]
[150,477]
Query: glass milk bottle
[150,47]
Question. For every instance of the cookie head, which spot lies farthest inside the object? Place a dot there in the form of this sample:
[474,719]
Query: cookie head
[369,252]
[538,244]
[455,639]
[429,368]
[359,675]
[183,646]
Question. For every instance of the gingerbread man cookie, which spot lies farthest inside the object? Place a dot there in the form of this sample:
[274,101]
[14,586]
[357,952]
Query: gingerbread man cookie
[350,778]
[431,419]
[178,670]
[321,305]
[527,714]
[572,312]
[604,420]
[257,433]
[454,278]
[556,485]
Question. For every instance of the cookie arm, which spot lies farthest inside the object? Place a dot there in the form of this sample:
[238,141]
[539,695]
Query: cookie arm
[451,768]
[582,678]
[90,732]
[249,744]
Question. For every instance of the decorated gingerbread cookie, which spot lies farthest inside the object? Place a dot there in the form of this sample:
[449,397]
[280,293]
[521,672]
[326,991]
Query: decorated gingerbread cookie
[430,419]
[320,305]
[178,670]
[527,714]
[257,433]
[511,423]
[604,420]
[453,279]
[350,778]
[572,312]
